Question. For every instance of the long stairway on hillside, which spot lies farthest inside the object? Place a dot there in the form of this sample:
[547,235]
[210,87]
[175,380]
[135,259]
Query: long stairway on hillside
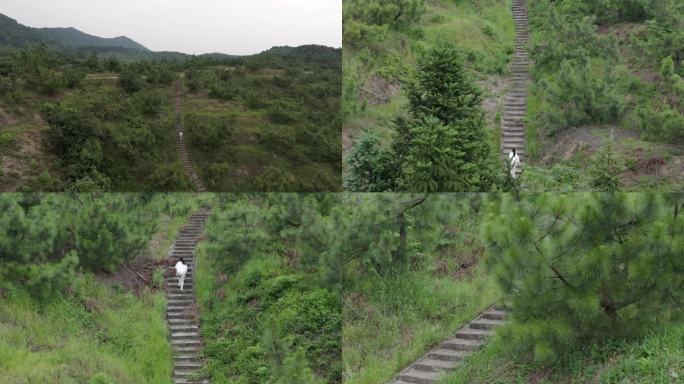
[181,310]
[182,150]
[435,364]
[515,107]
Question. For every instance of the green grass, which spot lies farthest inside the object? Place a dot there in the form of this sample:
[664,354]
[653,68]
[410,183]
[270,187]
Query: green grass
[655,358]
[391,321]
[89,330]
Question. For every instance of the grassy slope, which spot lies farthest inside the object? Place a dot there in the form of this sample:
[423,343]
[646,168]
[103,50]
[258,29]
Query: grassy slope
[93,330]
[486,34]
[247,157]
[390,322]
[560,162]
[656,358]
[22,156]
[237,308]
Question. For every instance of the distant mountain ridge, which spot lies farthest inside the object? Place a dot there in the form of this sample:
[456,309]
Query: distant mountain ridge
[16,35]
[75,38]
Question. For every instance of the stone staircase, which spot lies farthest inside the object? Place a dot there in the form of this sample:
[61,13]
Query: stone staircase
[515,107]
[185,157]
[435,364]
[181,310]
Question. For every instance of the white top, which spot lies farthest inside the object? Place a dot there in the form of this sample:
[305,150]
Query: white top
[181,268]
[515,160]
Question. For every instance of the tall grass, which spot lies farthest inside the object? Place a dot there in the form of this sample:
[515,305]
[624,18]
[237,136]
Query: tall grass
[657,358]
[92,332]
[391,321]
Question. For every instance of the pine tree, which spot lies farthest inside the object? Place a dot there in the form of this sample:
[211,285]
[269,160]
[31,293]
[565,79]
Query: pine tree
[371,167]
[443,145]
[586,266]
[605,170]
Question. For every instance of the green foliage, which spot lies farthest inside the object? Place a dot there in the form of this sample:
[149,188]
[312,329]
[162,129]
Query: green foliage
[207,132]
[605,170]
[277,120]
[274,319]
[662,123]
[584,267]
[581,95]
[48,236]
[129,80]
[370,166]
[442,145]
[369,20]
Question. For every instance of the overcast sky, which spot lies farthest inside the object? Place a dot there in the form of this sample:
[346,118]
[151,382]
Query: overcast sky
[191,26]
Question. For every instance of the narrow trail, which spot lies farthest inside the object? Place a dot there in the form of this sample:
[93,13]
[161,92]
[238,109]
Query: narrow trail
[515,107]
[181,311]
[432,366]
[184,155]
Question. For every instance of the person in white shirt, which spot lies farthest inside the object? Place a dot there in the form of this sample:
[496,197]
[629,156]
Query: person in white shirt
[514,159]
[181,270]
[181,135]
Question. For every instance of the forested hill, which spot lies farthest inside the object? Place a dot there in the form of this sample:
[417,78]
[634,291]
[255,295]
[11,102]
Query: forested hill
[14,34]
[74,37]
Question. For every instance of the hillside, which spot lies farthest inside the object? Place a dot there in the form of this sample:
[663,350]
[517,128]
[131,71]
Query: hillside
[13,34]
[73,37]
[606,98]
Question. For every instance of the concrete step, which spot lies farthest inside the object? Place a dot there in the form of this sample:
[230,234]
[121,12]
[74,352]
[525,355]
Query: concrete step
[184,328]
[486,323]
[185,336]
[495,314]
[187,358]
[180,315]
[180,349]
[434,365]
[186,381]
[186,342]
[459,344]
[447,354]
[474,333]
[188,365]
[420,377]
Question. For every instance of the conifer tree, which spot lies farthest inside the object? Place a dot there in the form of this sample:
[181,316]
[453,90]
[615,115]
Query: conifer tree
[442,144]
[586,266]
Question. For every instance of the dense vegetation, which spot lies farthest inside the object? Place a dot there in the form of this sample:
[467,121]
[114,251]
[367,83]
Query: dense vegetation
[269,122]
[60,320]
[100,124]
[269,308]
[415,119]
[595,285]
[612,69]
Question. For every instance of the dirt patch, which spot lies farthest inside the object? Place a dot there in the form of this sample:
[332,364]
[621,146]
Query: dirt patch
[244,139]
[27,158]
[134,276]
[380,91]
[565,145]
[137,274]
[662,161]
[6,118]
[496,88]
